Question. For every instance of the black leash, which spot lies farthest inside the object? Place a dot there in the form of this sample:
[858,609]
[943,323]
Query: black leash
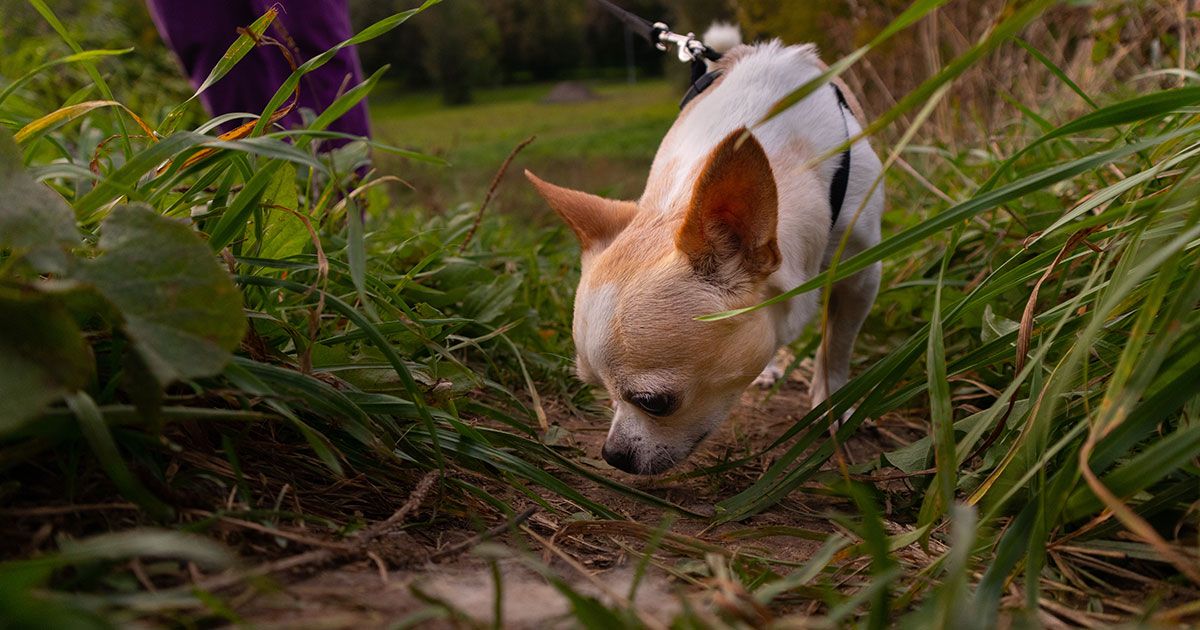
[635,23]
[690,49]
[694,51]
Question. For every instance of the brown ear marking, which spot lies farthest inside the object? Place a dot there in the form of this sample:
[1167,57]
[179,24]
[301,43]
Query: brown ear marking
[733,211]
[595,220]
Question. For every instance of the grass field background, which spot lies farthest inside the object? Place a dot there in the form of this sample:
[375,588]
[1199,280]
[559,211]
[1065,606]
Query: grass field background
[604,145]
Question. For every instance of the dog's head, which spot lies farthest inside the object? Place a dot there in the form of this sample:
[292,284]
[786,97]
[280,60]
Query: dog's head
[645,279]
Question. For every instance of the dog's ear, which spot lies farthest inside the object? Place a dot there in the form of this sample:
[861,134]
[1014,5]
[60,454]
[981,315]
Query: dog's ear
[733,212]
[596,221]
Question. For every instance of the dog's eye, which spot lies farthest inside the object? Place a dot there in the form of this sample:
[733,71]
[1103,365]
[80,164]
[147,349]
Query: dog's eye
[655,404]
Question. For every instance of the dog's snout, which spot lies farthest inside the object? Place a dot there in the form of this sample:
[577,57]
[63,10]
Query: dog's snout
[619,458]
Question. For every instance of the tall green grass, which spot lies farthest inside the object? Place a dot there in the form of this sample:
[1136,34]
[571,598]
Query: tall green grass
[162,289]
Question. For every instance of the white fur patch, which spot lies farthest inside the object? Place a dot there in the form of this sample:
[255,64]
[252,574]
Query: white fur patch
[594,313]
[722,36]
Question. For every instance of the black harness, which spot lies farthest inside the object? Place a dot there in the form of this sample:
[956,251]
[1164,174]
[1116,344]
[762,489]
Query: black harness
[841,176]
[694,51]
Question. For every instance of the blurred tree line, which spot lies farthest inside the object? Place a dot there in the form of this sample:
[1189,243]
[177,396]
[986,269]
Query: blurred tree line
[463,44]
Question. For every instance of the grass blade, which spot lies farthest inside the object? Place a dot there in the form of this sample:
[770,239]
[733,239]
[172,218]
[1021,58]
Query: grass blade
[91,424]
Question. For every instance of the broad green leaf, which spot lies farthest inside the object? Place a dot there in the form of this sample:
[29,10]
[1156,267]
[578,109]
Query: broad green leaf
[284,233]
[145,542]
[995,326]
[24,603]
[42,357]
[34,221]
[178,306]
[912,457]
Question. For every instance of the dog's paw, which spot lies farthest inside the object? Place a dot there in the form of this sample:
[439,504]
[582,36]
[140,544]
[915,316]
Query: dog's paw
[769,376]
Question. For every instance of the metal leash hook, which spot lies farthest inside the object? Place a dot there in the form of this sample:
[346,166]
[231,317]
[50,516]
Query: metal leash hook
[688,47]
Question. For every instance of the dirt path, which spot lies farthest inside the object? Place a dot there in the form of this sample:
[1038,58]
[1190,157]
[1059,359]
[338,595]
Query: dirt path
[593,561]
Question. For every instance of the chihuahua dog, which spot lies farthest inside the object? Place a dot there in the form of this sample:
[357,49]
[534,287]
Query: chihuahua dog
[735,211]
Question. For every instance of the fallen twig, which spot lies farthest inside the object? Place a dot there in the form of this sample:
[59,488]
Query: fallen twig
[352,547]
[459,547]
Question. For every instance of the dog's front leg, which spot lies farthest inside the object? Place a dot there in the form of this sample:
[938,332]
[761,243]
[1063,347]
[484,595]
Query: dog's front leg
[849,304]
[775,370]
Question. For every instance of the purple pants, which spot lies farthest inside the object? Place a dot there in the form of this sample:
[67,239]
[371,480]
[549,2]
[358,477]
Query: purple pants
[200,32]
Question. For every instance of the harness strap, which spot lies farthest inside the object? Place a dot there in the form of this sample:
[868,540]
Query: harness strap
[699,84]
[841,176]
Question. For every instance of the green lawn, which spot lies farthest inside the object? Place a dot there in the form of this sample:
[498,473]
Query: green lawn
[604,146]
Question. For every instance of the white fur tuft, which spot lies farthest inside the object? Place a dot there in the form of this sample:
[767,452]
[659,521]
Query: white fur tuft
[722,36]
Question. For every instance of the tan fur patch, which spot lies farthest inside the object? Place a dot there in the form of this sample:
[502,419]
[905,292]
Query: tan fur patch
[595,220]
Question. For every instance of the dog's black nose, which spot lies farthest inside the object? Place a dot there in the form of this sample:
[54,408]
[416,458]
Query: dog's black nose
[618,458]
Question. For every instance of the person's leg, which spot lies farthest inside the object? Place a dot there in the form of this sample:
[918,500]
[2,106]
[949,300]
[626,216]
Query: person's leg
[200,33]
[310,27]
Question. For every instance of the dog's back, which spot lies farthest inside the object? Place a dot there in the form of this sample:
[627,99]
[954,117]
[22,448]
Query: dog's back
[753,79]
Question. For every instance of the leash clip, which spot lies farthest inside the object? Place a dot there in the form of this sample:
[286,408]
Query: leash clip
[689,48]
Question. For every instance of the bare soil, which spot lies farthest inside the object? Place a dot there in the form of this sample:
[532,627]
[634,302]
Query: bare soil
[371,592]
